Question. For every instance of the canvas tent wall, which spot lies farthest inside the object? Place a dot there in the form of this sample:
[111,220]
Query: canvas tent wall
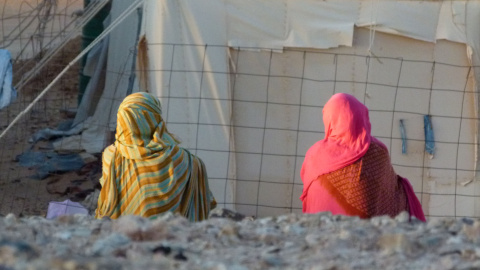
[112,64]
[243,84]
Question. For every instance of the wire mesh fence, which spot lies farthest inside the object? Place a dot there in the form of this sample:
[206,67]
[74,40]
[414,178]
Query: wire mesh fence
[282,119]
[252,136]
[276,102]
[29,29]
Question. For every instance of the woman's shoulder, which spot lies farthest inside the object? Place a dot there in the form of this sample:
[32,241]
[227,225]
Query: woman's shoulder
[110,149]
[377,148]
[191,155]
[315,149]
[109,152]
[378,144]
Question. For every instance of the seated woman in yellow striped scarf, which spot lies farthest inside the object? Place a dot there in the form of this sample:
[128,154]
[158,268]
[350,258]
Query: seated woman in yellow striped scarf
[145,172]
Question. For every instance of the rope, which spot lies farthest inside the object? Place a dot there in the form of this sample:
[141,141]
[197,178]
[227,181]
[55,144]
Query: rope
[107,31]
[49,55]
[37,9]
[373,28]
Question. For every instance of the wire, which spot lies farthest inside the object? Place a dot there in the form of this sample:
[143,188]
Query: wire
[107,31]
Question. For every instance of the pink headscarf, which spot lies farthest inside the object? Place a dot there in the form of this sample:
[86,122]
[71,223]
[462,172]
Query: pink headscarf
[347,138]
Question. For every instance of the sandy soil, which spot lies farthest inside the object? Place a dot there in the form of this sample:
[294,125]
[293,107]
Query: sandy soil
[19,192]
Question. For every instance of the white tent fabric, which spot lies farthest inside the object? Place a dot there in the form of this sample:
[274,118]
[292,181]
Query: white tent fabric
[119,60]
[307,24]
[194,36]
[117,51]
[194,96]
[252,128]
[95,69]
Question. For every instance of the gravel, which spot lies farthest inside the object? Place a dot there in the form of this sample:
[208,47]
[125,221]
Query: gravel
[230,241]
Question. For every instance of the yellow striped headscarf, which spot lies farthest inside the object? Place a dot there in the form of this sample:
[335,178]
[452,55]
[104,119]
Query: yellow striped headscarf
[145,172]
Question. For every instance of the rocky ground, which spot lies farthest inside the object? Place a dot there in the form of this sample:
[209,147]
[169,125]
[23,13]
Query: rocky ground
[290,241]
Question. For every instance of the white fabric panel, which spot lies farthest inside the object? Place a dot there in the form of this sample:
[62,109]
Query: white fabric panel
[271,137]
[472,21]
[276,24]
[177,22]
[252,23]
[414,19]
[451,21]
[277,97]
[95,87]
[190,76]
[320,24]
[121,45]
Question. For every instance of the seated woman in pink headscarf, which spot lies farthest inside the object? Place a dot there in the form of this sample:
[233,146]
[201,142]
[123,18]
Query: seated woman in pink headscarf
[349,171]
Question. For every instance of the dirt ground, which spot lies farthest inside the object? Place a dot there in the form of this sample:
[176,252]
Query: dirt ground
[20,193]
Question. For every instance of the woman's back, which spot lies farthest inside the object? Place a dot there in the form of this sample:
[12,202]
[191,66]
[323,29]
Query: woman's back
[349,171]
[368,187]
[146,172]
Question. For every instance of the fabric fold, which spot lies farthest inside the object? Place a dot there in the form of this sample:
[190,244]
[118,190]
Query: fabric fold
[414,205]
[145,172]
[349,172]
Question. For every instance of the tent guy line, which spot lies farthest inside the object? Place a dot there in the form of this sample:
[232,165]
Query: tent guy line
[110,28]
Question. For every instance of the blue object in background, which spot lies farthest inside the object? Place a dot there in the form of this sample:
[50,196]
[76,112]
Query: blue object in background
[403,133]
[429,138]
[51,162]
[8,94]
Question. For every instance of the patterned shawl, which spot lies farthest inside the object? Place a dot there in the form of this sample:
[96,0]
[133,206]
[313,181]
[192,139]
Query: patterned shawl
[145,172]
[369,187]
[347,138]
[349,171]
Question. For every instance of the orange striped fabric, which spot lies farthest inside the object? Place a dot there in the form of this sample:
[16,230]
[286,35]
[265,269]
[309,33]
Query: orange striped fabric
[145,172]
